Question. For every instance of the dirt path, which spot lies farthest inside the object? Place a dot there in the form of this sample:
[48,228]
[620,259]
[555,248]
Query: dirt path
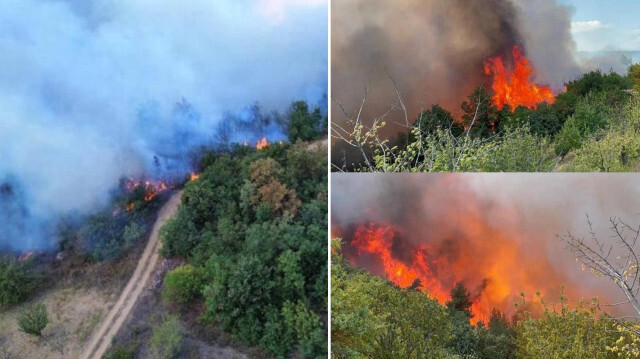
[102,338]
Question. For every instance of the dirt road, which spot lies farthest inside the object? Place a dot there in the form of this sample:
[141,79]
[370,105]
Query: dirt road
[102,338]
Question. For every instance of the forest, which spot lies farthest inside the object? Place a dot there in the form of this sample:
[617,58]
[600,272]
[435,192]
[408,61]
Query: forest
[373,318]
[592,126]
[250,241]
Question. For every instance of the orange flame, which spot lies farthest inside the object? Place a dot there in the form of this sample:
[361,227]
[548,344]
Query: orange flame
[262,144]
[194,176]
[515,88]
[495,271]
[152,188]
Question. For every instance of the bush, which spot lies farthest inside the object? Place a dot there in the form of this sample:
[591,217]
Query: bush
[166,339]
[16,282]
[34,319]
[183,284]
[119,352]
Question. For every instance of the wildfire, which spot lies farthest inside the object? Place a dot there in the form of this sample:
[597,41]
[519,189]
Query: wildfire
[514,88]
[152,188]
[495,271]
[262,143]
[194,176]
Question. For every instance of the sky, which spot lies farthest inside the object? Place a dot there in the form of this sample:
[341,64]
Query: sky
[605,24]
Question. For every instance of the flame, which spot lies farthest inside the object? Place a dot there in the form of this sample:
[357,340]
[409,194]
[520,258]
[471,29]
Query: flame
[194,176]
[262,144]
[515,88]
[494,269]
[152,188]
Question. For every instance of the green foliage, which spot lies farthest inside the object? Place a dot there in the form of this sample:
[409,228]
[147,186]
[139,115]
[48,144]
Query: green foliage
[17,281]
[302,124]
[488,139]
[183,284]
[132,233]
[634,74]
[179,234]
[568,333]
[33,319]
[373,319]
[480,113]
[307,328]
[460,300]
[120,352]
[254,227]
[166,339]
[430,121]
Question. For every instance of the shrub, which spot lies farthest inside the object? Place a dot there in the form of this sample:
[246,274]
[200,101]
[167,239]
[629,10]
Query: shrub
[166,339]
[33,319]
[183,284]
[16,282]
[119,352]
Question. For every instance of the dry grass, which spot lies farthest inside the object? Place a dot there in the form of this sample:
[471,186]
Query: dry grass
[73,314]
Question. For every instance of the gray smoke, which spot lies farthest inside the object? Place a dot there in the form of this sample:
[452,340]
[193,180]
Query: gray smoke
[435,50]
[526,209]
[91,91]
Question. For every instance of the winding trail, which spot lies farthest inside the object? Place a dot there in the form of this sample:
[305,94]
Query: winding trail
[101,339]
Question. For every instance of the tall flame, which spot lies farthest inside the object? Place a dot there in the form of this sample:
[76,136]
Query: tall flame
[514,88]
[494,269]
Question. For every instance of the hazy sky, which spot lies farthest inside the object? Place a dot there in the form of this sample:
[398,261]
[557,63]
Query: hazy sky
[606,24]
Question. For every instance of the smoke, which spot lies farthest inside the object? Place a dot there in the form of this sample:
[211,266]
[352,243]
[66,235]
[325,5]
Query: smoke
[491,231]
[91,91]
[434,50]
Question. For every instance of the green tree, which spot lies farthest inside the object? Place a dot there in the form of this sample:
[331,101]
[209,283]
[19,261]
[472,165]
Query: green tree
[429,121]
[16,281]
[33,319]
[480,114]
[303,124]
[460,300]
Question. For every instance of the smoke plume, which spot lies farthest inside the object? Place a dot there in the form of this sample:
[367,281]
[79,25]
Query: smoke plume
[494,232]
[92,91]
[434,50]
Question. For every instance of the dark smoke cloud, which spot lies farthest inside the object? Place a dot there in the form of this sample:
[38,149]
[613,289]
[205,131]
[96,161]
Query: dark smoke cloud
[91,91]
[528,210]
[435,50]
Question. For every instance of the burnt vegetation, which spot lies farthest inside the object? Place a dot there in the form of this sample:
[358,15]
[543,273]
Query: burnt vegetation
[592,126]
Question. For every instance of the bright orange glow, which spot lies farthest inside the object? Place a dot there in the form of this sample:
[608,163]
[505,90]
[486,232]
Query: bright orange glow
[194,176]
[152,188]
[262,144]
[514,88]
[493,268]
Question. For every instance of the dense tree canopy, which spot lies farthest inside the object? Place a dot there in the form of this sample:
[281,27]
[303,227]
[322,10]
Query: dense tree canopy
[253,229]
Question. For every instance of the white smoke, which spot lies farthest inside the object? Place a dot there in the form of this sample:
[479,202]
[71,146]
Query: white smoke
[90,91]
